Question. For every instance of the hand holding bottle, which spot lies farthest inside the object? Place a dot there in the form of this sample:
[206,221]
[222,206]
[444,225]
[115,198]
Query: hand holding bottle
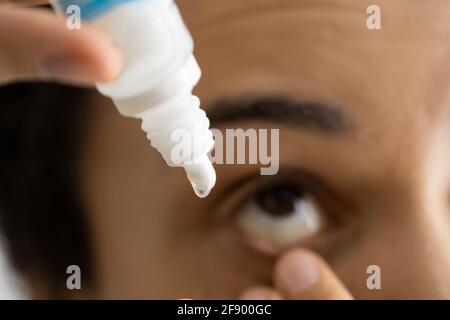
[155,85]
[36,45]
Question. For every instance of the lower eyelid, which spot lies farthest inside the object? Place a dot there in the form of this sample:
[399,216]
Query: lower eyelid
[324,242]
[328,242]
[276,228]
[271,250]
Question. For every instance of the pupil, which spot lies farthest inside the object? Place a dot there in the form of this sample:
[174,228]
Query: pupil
[278,201]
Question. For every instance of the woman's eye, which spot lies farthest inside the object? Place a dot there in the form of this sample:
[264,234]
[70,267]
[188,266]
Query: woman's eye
[277,218]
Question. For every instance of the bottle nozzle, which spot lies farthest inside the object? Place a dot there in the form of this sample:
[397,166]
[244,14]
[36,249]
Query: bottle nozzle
[202,176]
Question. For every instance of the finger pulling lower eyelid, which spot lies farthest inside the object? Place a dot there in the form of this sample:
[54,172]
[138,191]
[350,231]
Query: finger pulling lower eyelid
[295,272]
[260,293]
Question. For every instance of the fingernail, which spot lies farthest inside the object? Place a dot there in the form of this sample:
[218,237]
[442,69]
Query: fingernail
[296,272]
[256,294]
[66,66]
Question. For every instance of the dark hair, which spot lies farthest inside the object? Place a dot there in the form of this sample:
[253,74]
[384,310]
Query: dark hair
[41,217]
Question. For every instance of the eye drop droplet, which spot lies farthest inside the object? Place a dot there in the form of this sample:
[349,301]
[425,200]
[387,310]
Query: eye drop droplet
[201,193]
[202,176]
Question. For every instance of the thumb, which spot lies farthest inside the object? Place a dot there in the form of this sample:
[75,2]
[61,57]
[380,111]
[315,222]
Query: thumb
[35,44]
[302,275]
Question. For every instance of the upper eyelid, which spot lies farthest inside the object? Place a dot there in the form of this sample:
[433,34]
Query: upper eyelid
[287,175]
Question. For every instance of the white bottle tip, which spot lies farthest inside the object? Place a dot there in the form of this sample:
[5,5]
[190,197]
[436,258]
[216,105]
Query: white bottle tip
[202,176]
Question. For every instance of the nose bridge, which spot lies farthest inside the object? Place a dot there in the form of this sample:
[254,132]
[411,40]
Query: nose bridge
[421,188]
[416,162]
[426,179]
[419,216]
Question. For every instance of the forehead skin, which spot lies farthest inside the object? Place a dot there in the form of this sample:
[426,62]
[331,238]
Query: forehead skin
[304,44]
[391,81]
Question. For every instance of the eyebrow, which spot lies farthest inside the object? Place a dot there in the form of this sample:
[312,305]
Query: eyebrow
[313,116]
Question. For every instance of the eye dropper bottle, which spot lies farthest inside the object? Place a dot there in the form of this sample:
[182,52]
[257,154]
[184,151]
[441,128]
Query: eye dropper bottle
[158,77]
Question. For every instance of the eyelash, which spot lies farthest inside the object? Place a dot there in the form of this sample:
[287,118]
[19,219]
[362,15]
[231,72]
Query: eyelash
[329,204]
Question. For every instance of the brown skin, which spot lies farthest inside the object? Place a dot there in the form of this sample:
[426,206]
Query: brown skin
[390,169]
[153,238]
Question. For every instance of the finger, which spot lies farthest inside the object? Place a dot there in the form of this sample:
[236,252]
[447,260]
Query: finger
[302,275]
[260,293]
[41,47]
[25,2]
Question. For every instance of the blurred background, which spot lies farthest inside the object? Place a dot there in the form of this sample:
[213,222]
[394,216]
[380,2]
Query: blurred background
[10,286]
